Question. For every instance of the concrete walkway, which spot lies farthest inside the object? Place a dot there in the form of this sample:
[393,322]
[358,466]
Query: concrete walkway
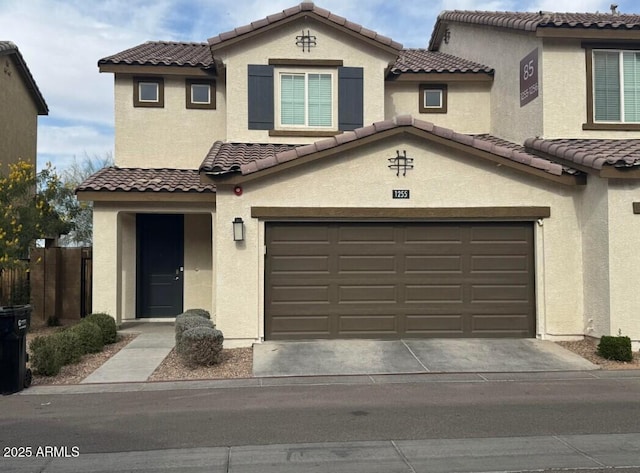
[357,357]
[589,453]
[139,359]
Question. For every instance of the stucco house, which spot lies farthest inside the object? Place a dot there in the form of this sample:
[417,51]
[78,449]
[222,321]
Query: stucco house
[20,105]
[304,177]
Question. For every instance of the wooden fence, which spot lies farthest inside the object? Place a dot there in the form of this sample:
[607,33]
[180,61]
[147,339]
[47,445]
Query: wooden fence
[60,282]
[14,285]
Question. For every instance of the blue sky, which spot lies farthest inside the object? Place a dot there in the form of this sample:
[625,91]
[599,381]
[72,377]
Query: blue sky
[62,41]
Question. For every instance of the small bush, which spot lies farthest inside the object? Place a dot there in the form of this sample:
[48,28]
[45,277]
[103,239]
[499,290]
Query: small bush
[202,346]
[199,312]
[90,337]
[615,348]
[45,357]
[107,326]
[68,346]
[187,322]
[53,321]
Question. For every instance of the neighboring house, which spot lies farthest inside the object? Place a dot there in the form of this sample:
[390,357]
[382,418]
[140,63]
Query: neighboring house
[488,186]
[20,104]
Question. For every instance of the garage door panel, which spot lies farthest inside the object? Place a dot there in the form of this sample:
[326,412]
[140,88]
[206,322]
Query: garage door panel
[428,325]
[300,294]
[433,234]
[425,294]
[518,263]
[499,293]
[500,233]
[299,265]
[367,294]
[310,324]
[439,263]
[355,323]
[397,280]
[381,234]
[358,264]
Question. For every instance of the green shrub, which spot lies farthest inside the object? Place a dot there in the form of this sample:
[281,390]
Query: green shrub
[45,357]
[107,326]
[90,337]
[68,346]
[198,312]
[202,346]
[615,348]
[187,322]
[53,321]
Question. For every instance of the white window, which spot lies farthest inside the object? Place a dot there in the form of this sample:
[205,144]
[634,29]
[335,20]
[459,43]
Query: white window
[433,98]
[616,86]
[148,92]
[201,93]
[306,99]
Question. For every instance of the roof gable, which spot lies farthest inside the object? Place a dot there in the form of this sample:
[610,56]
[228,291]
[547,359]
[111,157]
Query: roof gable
[480,146]
[304,9]
[9,48]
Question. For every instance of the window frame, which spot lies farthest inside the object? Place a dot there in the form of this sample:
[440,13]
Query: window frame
[189,83]
[137,102]
[306,71]
[591,123]
[422,107]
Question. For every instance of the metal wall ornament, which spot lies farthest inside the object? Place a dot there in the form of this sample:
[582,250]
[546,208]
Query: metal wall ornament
[307,41]
[401,163]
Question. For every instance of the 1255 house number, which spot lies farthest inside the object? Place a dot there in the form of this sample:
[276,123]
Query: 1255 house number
[400,193]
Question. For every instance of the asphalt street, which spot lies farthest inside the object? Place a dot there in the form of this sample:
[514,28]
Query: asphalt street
[339,423]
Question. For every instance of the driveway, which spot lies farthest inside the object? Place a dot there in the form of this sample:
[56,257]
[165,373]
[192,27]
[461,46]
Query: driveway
[349,357]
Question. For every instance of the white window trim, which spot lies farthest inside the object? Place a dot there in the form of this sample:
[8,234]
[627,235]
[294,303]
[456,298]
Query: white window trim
[197,102]
[440,94]
[621,83]
[157,87]
[278,72]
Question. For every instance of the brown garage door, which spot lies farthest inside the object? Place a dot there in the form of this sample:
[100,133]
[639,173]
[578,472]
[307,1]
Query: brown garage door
[399,280]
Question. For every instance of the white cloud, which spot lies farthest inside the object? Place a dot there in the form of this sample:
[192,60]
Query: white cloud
[60,144]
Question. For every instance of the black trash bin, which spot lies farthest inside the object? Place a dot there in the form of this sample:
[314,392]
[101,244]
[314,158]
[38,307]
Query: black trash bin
[14,324]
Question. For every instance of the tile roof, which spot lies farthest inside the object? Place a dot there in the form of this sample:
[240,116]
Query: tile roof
[264,157]
[229,157]
[163,53]
[530,21]
[592,153]
[304,7]
[7,48]
[423,60]
[113,179]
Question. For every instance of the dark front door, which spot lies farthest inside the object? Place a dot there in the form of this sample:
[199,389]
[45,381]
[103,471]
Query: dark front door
[160,264]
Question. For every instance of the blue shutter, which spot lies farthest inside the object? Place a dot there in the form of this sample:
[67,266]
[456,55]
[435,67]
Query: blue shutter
[260,87]
[350,98]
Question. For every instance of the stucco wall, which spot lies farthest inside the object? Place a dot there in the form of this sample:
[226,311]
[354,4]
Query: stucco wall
[280,43]
[594,217]
[624,259]
[18,117]
[565,89]
[468,105]
[503,51]
[362,179]
[168,137]
[114,257]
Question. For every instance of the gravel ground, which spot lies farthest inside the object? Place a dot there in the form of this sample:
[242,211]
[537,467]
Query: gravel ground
[238,362]
[235,363]
[587,349]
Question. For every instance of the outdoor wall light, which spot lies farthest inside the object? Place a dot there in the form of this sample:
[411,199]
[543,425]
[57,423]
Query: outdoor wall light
[238,229]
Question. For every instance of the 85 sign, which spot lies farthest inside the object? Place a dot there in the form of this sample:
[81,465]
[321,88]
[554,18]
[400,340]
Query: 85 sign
[529,77]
